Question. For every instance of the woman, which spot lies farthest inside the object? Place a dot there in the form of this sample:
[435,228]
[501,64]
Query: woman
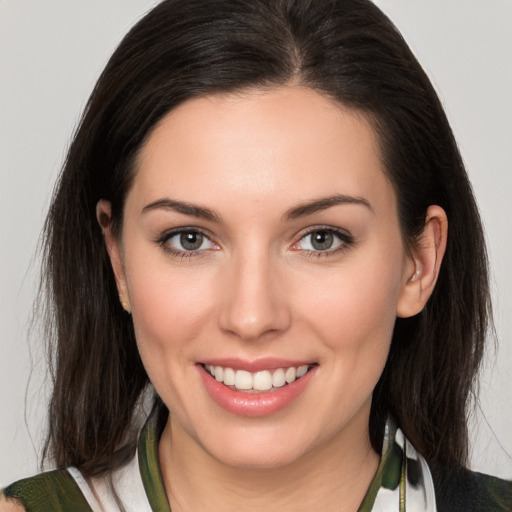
[252,218]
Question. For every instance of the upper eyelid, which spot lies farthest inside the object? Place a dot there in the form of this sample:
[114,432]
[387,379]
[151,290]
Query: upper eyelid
[332,229]
[344,236]
[342,233]
[184,229]
[164,238]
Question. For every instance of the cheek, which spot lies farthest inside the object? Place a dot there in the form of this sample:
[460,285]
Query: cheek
[169,307]
[355,311]
[171,312]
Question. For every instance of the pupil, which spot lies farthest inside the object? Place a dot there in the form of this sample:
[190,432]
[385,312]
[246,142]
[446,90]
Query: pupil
[191,241]
[322,240]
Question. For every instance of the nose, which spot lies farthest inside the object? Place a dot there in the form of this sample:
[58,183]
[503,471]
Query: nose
[254,304]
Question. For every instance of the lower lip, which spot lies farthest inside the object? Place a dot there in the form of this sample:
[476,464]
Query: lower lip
[254,404]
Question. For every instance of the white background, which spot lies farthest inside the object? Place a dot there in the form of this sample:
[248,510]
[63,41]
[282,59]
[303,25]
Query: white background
[51,53]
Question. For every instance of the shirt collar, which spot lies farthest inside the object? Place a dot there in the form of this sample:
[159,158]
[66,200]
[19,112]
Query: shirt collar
[402,478]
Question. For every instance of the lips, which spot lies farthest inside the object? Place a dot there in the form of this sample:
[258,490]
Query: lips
[257,389]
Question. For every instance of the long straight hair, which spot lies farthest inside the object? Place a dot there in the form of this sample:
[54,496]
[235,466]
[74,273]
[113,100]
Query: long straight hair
[345,49]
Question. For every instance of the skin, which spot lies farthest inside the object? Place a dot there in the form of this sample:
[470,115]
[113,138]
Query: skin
[10,505]
[257,288]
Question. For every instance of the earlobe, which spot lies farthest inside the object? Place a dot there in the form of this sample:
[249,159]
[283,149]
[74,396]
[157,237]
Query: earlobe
[424,264]
[104,216]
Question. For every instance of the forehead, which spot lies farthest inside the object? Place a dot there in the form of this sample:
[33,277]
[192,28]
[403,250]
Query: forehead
[289,143]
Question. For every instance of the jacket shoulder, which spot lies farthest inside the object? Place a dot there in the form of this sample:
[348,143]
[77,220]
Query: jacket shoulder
[466,491]
[54,491]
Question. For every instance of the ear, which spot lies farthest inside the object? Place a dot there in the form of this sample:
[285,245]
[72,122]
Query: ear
[422,269]
[104,216]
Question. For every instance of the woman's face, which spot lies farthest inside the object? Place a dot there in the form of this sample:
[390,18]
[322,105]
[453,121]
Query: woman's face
[261,239]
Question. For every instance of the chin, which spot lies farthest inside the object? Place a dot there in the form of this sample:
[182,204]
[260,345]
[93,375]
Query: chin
[260,446]
[257,459]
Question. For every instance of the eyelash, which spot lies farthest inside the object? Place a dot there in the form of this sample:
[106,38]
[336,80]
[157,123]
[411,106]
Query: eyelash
[345,239]
[163,241]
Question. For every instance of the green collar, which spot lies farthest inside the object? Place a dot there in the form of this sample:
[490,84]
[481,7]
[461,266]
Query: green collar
[401,472]
[148,459]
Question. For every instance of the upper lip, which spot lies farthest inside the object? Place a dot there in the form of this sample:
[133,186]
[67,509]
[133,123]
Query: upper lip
[256,365]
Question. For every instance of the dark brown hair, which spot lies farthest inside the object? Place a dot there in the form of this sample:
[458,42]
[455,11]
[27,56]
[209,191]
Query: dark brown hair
[345,49]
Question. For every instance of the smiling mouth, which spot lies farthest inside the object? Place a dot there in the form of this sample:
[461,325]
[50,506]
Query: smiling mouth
[256,382]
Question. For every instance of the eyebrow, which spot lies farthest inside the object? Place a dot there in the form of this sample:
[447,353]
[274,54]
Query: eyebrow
[296,212]
[323,203]
[184,208]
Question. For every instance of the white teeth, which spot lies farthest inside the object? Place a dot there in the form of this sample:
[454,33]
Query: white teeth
[263,380]
[219,373]
[243,380]
[301,371]
[290,375]
[278,379]
[229,377]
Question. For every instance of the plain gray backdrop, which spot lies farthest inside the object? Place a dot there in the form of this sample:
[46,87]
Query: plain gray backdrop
[51,52]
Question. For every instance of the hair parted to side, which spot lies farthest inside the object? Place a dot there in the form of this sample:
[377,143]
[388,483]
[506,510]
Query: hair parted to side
[345,49]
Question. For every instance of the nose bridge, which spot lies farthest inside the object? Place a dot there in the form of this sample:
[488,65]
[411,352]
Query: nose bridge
[254,303]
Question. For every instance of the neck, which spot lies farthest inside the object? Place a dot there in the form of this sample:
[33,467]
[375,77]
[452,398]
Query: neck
[331,477]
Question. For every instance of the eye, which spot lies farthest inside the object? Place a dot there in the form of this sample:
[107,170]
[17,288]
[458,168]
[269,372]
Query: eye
[186,240]
[325,240]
